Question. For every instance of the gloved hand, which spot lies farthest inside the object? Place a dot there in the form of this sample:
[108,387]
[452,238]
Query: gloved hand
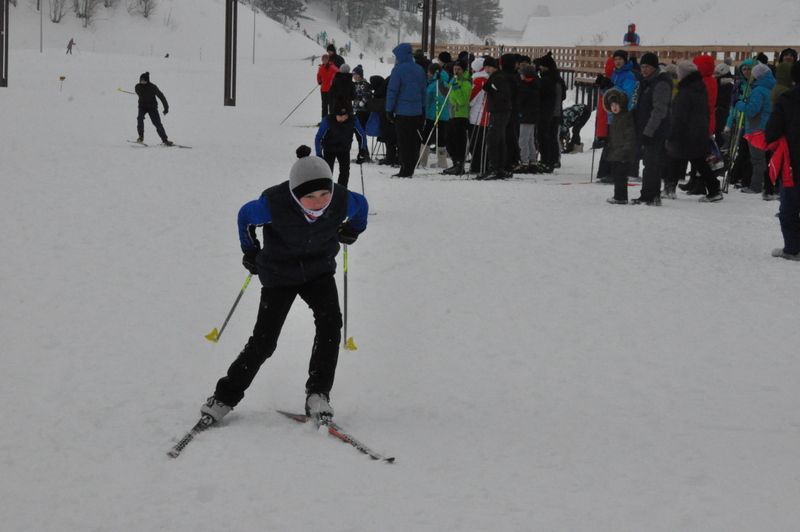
[390,118]
[422,122]
[249,261]
[346,234]
[363,156]
[647,140]
[166,110]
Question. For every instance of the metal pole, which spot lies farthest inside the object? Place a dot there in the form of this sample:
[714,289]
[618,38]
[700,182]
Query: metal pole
[230,52]
[41,27]
[399,20]
[253,3]
[4,15]
[432,35]
[425,20]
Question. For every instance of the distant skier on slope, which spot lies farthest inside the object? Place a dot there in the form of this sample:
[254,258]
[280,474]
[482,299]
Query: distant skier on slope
[304,220]
[148,105]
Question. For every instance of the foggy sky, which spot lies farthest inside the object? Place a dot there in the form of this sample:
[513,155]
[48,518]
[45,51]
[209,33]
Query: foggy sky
[516,12]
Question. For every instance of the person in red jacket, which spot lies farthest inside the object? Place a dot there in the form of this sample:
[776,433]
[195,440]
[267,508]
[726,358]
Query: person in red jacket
[325,74]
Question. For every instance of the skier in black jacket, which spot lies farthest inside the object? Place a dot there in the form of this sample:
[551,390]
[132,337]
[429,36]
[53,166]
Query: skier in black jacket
[147,93]
[335,137]
[304,220]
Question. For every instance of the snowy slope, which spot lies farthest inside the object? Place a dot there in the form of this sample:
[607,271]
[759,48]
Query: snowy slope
[674,22]
[535,358]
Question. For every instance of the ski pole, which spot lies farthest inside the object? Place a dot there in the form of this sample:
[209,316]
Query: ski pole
[361,167]
[591,172]
[214,335]
[435,123]
[126,92]
[349,343]
[298,105]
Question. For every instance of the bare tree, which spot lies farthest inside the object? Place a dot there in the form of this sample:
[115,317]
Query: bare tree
[143,7]
[57,10]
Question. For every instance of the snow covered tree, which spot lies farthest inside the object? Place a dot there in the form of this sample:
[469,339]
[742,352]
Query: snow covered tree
[57,8]
[282,10]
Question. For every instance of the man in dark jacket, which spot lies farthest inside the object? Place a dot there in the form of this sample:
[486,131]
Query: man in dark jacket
[405,104]
[785,122]
[335,58]
[508,64]
[553,92]
[498,104]
[148,105]
[687,139]
[655,97]
[342,87]
[304,220]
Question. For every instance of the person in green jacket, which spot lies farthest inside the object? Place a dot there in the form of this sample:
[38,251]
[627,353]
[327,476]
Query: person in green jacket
[460,91]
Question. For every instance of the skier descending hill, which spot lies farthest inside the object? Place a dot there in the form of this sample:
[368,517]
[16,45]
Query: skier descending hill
[304,220]
[148,105]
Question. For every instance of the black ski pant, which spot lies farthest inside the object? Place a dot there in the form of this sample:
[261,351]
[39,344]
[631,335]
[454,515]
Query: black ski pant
[496,140]
[676,168]
[512,141]
[344,164]
[326,104]
[323,299]
[549,144]
[457,139]
[655,162]
[155,118]
[789,215]
[619,171]
[408,143]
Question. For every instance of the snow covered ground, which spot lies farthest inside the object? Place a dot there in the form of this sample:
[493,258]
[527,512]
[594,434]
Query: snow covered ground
[535,358]
[768,22]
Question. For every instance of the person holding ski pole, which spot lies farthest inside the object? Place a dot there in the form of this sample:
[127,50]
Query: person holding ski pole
[335,137]
[304,220]
[148,92]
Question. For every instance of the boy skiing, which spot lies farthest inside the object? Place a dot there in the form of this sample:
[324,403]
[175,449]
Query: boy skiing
[147,93]
[304,220]
[334,138]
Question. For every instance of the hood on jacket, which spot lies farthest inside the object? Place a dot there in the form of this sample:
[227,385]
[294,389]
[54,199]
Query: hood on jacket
[508,62]
[631,27]
[377,83]
[403,53]
[767,80]
[615,95]
[705,64]
[477,64]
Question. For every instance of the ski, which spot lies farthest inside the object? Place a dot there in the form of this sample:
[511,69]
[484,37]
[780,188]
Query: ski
[177,146]
[139,143]
[337,432]
[144,145]
[204,422]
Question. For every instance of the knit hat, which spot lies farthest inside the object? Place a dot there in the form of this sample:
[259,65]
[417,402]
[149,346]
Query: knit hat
[477,64]
[548,62]
[145,77]
[621,53]
[528,71]
[359,70]
[344,69]
[309,174]
[762,58]
[796,72]
[728,61]
[445,57]
[721,70]
[685,68]
[649,58]
[490,62]
[331,48]
[760,70]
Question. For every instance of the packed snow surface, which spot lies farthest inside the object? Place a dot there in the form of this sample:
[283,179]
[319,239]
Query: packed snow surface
[535,358]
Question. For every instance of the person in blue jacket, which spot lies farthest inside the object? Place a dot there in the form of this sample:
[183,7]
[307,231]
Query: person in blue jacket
[335,137]
[757,108]
[405,104]
[304,220]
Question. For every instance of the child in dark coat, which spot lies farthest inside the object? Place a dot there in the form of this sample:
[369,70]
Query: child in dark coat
[335,137]
[620,150]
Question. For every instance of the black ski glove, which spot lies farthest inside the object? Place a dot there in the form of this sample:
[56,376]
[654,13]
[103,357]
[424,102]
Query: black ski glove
[346,233]
[166,110]
[249,261]
[647,140]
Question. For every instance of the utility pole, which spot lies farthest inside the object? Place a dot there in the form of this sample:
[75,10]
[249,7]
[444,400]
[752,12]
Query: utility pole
[230,51]
[426,13]
[399,20]
[433,30]
[4,16]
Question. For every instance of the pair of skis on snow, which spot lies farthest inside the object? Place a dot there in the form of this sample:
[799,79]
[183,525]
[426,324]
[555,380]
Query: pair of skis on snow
[333,429]
[142,144]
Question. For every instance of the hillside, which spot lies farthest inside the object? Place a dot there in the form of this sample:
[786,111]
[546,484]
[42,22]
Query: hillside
[675,22]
